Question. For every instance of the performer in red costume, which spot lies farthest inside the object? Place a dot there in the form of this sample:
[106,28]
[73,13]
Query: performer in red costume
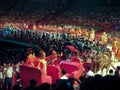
[75,57]
[57,59]
[30,58]
[33,60]
[54,58]
[114,45]
[53,55]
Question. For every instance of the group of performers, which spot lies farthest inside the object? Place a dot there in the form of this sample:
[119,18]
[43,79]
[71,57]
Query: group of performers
[40,60]
[104,39]
[36,60]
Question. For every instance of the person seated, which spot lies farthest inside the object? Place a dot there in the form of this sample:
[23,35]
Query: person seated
[51,58]
[54,58]
[30,58]
[75,58]
[36,63]
[42,63]
[53,55]
[69,58]
[57,59]
[36,60]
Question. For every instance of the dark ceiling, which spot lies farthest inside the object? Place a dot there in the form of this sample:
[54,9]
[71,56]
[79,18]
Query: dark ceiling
[85,2]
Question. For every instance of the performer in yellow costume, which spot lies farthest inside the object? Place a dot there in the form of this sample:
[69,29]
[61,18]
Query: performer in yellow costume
[92,35]
[104,38]
[79,32]
[43,62]
[34,27]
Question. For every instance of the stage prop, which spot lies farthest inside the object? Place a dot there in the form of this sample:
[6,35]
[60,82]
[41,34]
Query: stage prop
[73,68]
[54,72]
[28,73]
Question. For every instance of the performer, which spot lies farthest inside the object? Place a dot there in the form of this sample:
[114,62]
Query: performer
[30,58]
[114,45]
[53,55]
[34,27]
[69,57]
[92,35]
[38,60]
[104,38]
[79,32]
[58,59]
[43,62]
[75,57]
[54,58]
[118,51]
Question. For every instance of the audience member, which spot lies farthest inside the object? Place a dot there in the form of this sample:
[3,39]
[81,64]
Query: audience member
[64,74]
[32,85]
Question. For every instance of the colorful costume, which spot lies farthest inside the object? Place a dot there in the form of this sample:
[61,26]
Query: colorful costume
[43,65]
[75,58]
[118,51]
[92,35]
[114,46]
[104,38]
[30,60]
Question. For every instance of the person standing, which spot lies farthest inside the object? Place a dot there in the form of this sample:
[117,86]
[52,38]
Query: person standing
[90,72]
[1,77]
[8,77]
[104,38]
[92,35]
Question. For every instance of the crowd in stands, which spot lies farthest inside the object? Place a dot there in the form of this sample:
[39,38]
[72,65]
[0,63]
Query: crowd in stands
[57,41]
[19,18]
[23,13]
[102,18]
[99,18]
